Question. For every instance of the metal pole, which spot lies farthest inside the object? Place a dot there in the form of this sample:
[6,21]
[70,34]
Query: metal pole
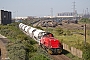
[46,26]
[51,12]
[85,35]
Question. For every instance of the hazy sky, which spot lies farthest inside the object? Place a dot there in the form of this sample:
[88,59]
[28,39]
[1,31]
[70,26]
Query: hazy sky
[42,7]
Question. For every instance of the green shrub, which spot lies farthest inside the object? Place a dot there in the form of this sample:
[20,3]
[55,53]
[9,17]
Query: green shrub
[86,52]
[68,33]
[59,31]
[16,51]
[39,57]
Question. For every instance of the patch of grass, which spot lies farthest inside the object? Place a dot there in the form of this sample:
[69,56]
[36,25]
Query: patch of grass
[73,57]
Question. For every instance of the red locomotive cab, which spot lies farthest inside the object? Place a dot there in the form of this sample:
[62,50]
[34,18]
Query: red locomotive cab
[55,46]
[54,43]
[51,44]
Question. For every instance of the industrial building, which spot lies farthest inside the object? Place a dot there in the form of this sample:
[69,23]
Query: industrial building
[65,14]
[5,17]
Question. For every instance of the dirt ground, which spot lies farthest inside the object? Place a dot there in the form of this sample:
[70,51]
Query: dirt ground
[3,43]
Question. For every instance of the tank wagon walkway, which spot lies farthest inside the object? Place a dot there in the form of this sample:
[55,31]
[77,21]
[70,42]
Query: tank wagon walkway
[3,51]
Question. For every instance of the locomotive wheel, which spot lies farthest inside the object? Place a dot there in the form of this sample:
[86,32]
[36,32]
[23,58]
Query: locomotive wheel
[49,51]
[59,52]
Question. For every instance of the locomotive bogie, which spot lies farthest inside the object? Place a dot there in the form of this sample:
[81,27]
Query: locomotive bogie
[56,50]
[49,51]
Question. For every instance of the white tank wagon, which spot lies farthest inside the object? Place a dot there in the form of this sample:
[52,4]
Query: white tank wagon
[27,28]
[37,35]
[23,28]
[20,25]
[30,31]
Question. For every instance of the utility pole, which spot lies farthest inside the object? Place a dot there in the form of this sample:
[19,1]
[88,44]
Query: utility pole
[47,26]
[17,15]
[51,12]
[83,12]
[87,11]
[74,11]
[85,34]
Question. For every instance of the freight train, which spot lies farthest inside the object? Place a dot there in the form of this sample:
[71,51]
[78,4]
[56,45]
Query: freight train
[45,39]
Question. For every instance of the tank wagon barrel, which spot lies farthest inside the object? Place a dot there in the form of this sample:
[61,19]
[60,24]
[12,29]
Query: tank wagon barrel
[26,29]
[45,39]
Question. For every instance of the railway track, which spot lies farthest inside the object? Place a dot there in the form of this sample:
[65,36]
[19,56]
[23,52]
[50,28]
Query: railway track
[59,57]
[53,57]
[3,52]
